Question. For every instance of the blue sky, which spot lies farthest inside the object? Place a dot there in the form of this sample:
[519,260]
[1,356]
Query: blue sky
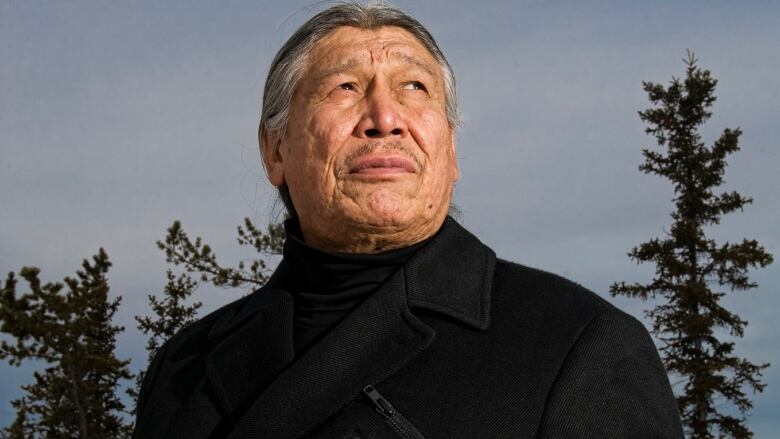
[117,118]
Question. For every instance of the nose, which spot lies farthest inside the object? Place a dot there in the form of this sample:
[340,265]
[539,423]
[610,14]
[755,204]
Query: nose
[383,115]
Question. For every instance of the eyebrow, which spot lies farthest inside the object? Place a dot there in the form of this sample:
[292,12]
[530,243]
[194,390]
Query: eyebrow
[354,62]
[337,69]
[409,59]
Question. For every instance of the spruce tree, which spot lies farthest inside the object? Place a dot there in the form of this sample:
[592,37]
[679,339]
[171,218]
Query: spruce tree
[691,270]
[68,326]
[171,313]
[197,257]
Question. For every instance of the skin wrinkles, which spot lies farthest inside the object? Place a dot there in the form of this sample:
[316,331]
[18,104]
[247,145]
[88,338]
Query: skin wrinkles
[367,96]
[352,63]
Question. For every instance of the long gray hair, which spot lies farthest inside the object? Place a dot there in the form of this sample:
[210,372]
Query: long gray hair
[290,62]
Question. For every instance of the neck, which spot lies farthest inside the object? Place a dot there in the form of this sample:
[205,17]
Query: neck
[366,238]
[326,286]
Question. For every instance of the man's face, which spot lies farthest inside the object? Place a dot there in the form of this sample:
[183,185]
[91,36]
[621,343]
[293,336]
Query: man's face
[368,156]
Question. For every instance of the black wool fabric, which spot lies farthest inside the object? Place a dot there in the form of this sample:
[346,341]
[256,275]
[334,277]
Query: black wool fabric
[326,286]
[459,343]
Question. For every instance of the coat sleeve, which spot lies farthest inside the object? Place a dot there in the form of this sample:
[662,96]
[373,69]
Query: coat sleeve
[150,376]
[612,385]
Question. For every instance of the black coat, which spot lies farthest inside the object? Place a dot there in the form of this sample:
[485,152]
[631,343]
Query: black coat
[456,344]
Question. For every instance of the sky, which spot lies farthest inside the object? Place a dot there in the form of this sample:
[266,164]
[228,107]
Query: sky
[117,118]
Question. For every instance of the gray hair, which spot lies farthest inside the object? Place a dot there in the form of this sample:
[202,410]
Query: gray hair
[290,62]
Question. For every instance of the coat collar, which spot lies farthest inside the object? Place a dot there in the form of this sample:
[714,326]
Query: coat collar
[251,371]
[453,275]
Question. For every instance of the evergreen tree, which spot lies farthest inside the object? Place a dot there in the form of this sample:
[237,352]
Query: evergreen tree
[171,313]
[197,257]
[71,331]
[690,269]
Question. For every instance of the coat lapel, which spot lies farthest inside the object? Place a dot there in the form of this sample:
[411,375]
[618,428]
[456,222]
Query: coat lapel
[376,339]
[453,276]
[250,357]
[251,346]
[262,392]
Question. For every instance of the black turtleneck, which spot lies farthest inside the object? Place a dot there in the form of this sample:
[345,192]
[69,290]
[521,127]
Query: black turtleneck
[327,286]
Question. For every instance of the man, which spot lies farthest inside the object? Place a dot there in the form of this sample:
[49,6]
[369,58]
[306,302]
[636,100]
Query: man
[385,318]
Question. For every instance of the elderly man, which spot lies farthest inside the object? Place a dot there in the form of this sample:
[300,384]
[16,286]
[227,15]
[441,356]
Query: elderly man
[385,318]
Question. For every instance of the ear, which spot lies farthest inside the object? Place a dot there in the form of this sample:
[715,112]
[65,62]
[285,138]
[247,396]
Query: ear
[272,157]
[454,156]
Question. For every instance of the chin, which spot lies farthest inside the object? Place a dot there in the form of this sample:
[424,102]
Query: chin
[382,218]
[385,208]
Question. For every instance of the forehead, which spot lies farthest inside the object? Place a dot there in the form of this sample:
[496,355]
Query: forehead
[358,46]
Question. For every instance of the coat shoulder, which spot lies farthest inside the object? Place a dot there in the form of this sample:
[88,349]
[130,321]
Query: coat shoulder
[547,294]
[200,329]
[188,341]
[607,380]
[546,313]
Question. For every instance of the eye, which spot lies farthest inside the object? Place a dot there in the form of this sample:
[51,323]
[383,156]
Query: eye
[415,85]
[347,86]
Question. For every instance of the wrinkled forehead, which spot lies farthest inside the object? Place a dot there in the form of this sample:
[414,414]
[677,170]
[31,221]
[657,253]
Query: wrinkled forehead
[348,47]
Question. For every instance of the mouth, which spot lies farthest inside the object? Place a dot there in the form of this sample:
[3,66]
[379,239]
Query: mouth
[382,165]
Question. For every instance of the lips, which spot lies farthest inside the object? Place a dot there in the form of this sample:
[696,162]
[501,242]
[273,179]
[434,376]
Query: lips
[382,164]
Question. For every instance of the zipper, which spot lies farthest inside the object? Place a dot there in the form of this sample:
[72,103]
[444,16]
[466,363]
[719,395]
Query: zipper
[392,416]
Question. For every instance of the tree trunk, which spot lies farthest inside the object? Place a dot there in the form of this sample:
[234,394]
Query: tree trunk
[700,426]
[83,428]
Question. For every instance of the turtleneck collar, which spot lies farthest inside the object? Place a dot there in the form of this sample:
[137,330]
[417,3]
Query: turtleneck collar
[325,286]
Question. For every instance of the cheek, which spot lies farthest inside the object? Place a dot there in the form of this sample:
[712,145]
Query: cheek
[329,130]
[434,137]
[431,125]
